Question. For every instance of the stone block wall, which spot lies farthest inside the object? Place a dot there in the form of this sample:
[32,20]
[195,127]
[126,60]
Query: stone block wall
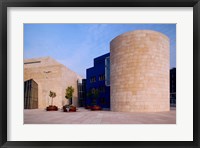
[51,75]
[139,72]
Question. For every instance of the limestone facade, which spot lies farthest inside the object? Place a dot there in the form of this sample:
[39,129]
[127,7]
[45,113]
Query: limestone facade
[139,76]
[51,75]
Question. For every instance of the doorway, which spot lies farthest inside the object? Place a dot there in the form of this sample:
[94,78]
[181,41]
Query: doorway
[30,94]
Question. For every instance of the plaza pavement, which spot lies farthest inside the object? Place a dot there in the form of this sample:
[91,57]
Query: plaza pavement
[83,116]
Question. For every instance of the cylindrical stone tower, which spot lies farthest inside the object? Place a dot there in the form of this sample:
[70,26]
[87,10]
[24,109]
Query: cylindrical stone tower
[139,76]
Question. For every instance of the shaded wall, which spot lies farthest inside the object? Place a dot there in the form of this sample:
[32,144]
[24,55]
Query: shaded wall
[51,75]
[96,80]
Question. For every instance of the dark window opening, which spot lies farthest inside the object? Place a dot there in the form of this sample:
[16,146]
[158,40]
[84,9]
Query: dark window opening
[92,79]
[103,101]
[32,62]
[102,77]
[102,89]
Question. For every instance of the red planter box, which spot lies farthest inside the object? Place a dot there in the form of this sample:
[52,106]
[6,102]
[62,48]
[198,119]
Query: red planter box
[88,107]
[94,108]
[52,108]
[71,109]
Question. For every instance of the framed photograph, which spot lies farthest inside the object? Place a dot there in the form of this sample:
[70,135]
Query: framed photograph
[104,73]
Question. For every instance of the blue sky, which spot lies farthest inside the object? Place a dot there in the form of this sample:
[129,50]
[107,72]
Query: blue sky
[76,45]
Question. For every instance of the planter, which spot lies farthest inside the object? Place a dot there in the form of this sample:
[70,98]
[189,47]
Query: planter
[52,108]
[64,109]
[70,109]
[95,108]
[88,107]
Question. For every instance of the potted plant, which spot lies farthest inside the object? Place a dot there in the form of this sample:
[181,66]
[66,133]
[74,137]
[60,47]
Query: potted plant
[89,95]
[95,93]
[70,108]
[95,107]
[68,95]
[52,107]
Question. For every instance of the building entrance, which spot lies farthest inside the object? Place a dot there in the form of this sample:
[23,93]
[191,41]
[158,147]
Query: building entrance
[30,94]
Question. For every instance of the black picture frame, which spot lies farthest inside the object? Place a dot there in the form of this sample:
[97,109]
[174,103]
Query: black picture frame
[4,4]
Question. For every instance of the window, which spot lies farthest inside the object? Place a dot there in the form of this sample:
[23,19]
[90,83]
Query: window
[102,89]
[101,77]
[92,79]
[32,62]
[93,90]
[103,101]
[107,71]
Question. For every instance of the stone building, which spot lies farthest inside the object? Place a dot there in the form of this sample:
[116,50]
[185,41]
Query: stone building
[50,75]
[139,72]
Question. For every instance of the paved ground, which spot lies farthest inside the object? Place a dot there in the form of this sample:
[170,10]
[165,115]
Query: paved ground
[83,116]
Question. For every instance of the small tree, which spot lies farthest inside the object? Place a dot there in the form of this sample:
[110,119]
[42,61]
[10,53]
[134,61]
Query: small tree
[52,95]
[69,93]
[89,96]
[95,93]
